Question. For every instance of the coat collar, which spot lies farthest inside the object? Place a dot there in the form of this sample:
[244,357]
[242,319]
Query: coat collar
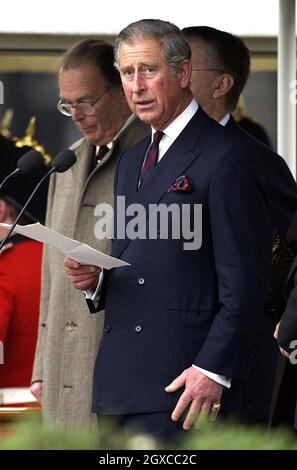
[176,160]
[182,153]
[232,124]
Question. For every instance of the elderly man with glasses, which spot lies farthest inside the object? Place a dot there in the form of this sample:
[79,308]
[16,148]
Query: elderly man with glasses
[91,94]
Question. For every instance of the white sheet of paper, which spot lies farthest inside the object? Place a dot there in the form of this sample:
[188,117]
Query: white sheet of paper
[78,251]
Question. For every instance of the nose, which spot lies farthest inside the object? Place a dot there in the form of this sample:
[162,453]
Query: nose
[138,84]
[76,115]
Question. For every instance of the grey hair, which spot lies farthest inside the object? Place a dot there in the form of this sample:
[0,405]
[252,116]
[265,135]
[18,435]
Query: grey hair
[174,47]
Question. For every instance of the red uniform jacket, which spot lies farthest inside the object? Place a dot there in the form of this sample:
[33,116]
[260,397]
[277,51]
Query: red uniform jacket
[20,272]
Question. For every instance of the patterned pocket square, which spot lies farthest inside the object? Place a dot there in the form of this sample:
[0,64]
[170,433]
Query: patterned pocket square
[182,183]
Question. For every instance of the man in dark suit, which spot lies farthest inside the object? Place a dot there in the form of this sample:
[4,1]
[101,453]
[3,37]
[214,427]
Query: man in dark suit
[287,329]
[285,411]
[180,320]
[221,65]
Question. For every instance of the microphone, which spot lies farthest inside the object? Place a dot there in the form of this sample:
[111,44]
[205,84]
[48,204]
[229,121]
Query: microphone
[31,161]
[62,162]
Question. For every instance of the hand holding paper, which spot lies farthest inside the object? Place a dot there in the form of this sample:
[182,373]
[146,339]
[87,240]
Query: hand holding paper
[78,251]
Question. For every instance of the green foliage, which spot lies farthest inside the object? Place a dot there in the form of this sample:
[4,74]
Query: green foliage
[30,434]
[231,436]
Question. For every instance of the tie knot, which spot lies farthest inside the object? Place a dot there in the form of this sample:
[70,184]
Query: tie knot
[157,136]
[103,149]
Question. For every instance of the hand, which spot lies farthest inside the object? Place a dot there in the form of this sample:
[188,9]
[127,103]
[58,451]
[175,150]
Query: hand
[275,335]
[200,394]
[284,352]
[36,390]
[83,277]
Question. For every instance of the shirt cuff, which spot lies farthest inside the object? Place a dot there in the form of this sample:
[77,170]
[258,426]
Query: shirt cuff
[221,379]
[92,294]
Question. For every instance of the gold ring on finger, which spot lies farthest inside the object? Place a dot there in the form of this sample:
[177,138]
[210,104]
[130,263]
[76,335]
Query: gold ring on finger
[215,406]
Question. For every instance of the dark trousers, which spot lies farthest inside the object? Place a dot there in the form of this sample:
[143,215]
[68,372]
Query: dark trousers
[157,425]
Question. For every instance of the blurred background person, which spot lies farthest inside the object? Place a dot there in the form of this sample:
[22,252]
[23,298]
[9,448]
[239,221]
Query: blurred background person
[249,124]
[221,66]
[20,272]
[284,404]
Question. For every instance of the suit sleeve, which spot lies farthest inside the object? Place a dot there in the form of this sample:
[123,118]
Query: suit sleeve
[282,191]
[241,241]
[37,374]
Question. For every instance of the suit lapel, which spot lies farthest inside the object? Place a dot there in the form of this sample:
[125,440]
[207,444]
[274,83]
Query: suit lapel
[131,177]
[182,153]
[126,139]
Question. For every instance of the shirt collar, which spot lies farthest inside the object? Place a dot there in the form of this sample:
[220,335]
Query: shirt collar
[177,126]
[224,120]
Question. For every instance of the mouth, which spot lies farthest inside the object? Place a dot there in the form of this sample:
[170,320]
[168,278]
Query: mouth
[88,129]
[144,104]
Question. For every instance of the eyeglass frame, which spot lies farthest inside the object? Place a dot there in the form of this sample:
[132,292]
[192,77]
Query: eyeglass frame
[75,105]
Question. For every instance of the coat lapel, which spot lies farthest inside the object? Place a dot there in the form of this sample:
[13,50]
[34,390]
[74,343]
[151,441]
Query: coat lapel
[232,124]
[182,153]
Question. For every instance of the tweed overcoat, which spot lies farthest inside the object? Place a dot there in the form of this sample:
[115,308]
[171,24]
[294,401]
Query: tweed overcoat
[68,335]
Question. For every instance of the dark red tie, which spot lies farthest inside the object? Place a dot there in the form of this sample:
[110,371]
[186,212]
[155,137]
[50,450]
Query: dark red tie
[151,158]
[103,149]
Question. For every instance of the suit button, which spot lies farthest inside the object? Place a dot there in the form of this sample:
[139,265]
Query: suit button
[107,328]
[140,281]
[138,328]
[70,325]
[109,280]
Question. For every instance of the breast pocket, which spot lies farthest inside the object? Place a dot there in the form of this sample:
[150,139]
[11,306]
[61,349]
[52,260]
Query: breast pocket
[181,197]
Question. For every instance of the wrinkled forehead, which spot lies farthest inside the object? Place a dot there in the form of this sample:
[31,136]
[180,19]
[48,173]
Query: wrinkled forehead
[80,82]
[140,49]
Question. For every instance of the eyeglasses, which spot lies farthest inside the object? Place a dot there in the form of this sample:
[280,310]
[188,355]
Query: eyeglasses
[208,70]
[86,107]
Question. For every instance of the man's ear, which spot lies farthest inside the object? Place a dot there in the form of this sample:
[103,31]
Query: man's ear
[223,85]
[3,210]
[185,71]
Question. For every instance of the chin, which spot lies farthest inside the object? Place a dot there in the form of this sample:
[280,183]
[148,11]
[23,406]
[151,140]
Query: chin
[91,138]
[147,117]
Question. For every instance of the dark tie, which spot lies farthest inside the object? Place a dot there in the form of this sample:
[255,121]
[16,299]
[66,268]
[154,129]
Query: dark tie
[151,158]
[103,149]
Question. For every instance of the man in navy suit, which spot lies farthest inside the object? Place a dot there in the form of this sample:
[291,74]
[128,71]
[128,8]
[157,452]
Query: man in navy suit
[220,69]
[179,322]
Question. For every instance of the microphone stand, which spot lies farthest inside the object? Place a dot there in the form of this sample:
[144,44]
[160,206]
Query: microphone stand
[52,170]
[9,176]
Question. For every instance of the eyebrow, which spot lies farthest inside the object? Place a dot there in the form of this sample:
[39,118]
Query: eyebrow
[142,64]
